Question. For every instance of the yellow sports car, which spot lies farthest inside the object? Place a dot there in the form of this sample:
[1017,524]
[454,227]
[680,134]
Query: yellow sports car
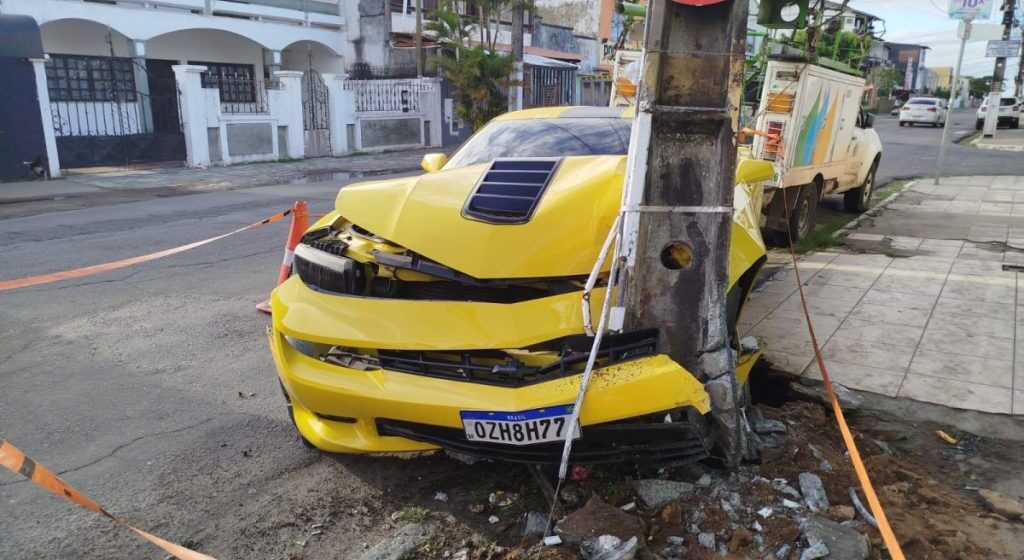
[445,310]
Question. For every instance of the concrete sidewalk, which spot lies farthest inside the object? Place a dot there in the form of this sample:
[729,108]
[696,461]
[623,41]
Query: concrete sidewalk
[1006,139]
[78,184]
[917,304]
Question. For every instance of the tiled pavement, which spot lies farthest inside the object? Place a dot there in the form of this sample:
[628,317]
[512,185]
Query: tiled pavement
[935,320]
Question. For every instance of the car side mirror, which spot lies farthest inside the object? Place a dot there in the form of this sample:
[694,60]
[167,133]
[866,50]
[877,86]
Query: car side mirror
[433,162]
[869,120]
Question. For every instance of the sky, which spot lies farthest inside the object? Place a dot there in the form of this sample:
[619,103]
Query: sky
[925,22]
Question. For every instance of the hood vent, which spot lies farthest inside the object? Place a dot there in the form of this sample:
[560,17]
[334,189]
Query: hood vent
[510,190]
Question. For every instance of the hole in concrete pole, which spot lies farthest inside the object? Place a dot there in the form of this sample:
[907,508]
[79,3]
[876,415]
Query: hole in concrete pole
[676,255]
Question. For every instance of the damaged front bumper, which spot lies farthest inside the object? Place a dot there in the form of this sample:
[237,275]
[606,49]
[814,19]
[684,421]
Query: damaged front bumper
[636,408]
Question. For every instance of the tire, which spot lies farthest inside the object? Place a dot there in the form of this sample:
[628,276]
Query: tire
[902,123]
[1015,124]
[801,220]
[935,125]
[858,200]
[979,124]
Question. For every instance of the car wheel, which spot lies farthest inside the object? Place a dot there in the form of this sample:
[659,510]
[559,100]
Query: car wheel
[979,124]
[902,123]
[1015,124]
[935,125]
[858,200]
[801,220]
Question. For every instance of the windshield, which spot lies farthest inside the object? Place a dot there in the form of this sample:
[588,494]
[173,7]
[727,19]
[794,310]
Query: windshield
[544,138]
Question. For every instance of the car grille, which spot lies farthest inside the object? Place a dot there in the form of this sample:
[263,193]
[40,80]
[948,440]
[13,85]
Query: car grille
[510,190]
[494,367]
[648,440]
[455,291]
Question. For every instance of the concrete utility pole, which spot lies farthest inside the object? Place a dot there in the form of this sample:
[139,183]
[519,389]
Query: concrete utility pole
[515,92]
[1018,82]
[679,195]
[419,38]
[992,115]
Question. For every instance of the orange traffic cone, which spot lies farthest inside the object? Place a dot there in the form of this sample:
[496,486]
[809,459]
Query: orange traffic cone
[300,223]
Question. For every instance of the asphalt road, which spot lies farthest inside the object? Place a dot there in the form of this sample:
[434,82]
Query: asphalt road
[152,390]
[913,151]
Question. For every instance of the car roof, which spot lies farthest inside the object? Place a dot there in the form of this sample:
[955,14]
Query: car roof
[575,112]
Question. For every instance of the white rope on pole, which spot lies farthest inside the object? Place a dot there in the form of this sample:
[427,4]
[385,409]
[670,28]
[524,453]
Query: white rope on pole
[588,326]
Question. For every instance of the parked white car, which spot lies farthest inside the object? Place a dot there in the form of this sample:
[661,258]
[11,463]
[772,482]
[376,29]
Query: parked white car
[924,110]
[1009,112]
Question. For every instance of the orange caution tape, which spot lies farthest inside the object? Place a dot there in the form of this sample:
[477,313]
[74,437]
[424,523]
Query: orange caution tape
[106,267]
[891,542]
[17,462]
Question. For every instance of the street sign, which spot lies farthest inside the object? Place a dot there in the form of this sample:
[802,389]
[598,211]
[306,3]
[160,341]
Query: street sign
[980,31]
[970,10]
[1005,49]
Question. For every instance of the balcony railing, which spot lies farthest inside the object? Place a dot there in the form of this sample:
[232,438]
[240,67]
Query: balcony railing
[311,6]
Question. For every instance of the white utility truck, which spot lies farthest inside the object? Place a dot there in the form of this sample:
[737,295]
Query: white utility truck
[810,124]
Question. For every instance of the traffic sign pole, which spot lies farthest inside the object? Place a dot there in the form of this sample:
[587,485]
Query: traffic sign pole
[965,33]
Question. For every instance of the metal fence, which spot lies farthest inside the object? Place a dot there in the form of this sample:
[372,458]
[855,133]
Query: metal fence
[241,95]
[387,95]
[548,87]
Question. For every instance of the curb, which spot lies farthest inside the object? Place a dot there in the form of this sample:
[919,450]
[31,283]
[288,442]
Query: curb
[871,213]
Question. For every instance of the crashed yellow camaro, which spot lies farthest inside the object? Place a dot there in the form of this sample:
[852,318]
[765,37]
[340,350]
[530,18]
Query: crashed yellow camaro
[445,310]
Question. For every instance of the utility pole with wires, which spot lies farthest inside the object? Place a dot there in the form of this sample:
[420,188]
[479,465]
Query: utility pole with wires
[678,202]
[515,91]
[419,38]
[1018,82]
[995,95]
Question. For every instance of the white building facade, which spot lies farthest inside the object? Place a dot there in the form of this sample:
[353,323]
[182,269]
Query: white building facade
[210,82]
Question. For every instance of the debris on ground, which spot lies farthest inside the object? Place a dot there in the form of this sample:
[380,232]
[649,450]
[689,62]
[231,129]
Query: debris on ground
[814,492]
[654,493]
[597,518]
[535,525]
[609,547]
[1000,504]
[401,543]
[502,499]
[800,503]
[841,542]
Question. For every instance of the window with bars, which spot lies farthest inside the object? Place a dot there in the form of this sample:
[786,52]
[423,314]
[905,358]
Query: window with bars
[90,78]
[236,82]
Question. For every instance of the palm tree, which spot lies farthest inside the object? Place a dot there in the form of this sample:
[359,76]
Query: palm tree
[450,30]
[481,79]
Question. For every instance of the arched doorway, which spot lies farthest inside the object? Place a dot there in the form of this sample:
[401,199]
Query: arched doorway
[310,57]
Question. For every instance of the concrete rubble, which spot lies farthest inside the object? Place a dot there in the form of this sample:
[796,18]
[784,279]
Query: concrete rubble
[654,493]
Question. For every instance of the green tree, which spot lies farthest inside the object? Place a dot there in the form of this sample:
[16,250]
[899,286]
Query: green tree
[450,31]
[980,87]
[480,77]
[886,78]
[843,46]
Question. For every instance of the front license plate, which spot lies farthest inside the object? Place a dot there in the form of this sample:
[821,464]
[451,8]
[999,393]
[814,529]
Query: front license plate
[520,428]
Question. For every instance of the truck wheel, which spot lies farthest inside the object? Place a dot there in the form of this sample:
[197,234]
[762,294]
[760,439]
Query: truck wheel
[902,123]
[801,220]
[858,200]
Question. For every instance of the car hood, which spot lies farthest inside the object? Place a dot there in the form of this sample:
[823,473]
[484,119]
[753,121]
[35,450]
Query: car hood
[425,215]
